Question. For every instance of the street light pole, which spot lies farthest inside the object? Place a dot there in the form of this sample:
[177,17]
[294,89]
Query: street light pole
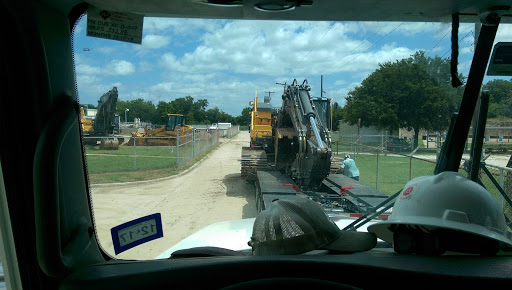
[125,118]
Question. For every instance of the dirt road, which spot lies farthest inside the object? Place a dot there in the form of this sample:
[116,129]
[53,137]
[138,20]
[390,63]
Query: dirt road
[210,192]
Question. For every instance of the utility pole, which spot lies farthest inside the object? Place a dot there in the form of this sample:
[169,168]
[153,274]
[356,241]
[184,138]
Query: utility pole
[322,86]
[267,98]
[269,93]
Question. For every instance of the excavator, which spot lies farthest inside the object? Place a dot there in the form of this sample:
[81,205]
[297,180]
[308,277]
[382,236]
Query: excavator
[165,135]
[295,156]
[105,124]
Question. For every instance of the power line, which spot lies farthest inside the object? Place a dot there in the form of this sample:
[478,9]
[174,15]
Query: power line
[457,42]
[312,48]
[359,45]
[366,49]
[438,42]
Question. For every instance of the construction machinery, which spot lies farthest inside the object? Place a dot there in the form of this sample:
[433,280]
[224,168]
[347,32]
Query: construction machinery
[104,125]
[165,135]
[87,123]
[261,123]
[261,146]
[295,156]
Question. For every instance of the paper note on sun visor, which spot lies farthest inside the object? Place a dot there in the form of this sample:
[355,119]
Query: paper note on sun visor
[120,26]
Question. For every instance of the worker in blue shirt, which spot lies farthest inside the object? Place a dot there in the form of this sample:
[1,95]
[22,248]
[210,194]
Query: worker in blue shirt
[349,168]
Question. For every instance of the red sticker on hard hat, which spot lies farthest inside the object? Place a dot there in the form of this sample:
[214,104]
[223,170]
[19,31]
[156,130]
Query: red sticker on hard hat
[406,193]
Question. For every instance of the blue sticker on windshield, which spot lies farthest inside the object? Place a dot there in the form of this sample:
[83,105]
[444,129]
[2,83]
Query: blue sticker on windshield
[136,232]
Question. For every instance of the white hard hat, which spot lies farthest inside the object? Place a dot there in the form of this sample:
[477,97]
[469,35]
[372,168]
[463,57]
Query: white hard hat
[446,202]
[347,156]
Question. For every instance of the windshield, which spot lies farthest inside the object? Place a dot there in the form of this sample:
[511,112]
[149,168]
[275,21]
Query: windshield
[323,108]
[391,80]
[171,123]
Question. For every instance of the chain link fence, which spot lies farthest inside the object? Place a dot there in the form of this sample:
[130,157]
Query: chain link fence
[385,170]
[107,154]
[389,170]
[498,181]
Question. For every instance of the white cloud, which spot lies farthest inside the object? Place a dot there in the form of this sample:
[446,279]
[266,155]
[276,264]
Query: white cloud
[85,69]
[272,48]
[155,41]
[340,82]
[504,33]
[226,61]
[114,68]
[155,25]
[119,67]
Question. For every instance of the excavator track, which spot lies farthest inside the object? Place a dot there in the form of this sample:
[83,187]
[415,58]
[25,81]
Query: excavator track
[253,159]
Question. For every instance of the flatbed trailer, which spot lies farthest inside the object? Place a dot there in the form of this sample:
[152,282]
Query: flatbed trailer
[360,199]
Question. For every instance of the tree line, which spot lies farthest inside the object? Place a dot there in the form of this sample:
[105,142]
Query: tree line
[195,110]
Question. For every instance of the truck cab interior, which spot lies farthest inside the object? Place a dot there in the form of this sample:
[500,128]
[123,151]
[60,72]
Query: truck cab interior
[48,236]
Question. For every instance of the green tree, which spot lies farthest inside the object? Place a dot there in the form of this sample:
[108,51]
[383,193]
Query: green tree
[144,110]
[216,115]
[245,118]
[400,95]
[500,102]
[162,109]
[194,110]
[337,115]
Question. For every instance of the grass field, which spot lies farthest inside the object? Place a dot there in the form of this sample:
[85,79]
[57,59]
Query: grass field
[101,161]
[110,166]
[393,171]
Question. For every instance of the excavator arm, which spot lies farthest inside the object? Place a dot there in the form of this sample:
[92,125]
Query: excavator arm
[302,143]
[104,121]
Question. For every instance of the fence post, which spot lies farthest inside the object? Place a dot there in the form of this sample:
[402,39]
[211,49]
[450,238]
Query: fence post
[410,167]
[193,142]
[134,153]
[377,175]
[410,161]
[178,148]
[502,184]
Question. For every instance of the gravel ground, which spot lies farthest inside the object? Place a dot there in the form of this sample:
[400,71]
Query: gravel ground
[209,192]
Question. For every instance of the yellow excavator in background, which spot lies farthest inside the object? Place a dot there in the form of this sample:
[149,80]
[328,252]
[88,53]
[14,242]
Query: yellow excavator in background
[162,136]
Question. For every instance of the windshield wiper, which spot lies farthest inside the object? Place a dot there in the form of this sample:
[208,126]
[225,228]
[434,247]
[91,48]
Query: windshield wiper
[373,212]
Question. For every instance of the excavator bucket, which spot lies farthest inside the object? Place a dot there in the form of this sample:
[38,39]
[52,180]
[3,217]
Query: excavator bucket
[109,144]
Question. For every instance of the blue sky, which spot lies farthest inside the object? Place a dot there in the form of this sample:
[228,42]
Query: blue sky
[226,61]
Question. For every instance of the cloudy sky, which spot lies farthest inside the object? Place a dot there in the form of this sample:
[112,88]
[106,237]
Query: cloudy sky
[225,62]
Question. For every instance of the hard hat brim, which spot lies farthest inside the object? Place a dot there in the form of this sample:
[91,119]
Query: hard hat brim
[383,229]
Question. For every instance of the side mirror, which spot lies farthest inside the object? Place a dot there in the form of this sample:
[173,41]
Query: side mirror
[336,105]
